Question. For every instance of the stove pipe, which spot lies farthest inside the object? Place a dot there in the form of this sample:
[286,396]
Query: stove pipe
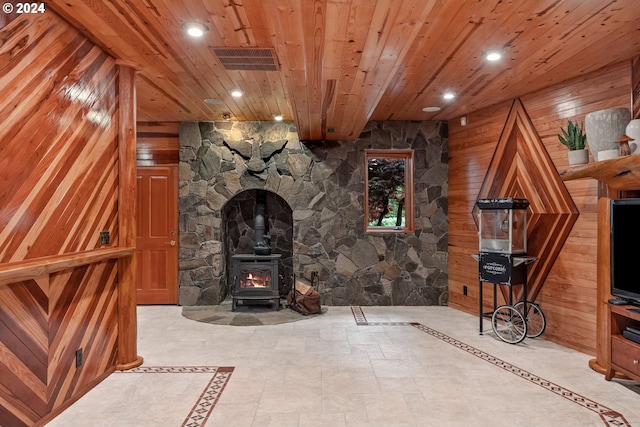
[261,240]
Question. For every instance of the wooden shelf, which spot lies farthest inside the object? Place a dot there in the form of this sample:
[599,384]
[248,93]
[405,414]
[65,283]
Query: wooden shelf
[625,353]
[622,173]
[30,269]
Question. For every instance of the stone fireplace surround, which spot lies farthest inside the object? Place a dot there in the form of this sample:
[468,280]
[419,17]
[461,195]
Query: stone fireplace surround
[319,187]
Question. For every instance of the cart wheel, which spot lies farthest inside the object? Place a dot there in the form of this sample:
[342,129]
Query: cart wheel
[536,323]
[508,324]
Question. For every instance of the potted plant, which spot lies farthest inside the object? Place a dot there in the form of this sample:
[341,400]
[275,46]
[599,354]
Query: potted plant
[573,137]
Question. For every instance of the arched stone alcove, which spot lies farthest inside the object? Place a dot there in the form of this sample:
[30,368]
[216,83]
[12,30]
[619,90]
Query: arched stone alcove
[238,232]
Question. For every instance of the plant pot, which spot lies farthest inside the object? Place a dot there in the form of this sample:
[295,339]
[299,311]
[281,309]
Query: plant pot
[604,127]
[633,130]
[578,157]
[613,153]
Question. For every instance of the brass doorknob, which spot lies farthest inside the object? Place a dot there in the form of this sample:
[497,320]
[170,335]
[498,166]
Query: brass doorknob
[172,243]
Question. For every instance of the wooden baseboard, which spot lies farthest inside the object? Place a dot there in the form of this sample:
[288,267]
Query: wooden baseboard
[81,392]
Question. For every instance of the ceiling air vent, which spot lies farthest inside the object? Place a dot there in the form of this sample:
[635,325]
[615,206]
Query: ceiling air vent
[247,58]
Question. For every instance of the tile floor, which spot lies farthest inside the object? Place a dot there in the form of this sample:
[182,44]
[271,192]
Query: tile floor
[378,367]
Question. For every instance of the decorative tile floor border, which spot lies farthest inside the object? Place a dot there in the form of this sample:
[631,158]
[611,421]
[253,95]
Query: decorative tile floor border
[358,315]
[608,415]
[208,398]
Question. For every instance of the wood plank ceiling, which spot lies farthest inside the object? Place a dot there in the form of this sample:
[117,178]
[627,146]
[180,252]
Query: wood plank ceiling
[344,62]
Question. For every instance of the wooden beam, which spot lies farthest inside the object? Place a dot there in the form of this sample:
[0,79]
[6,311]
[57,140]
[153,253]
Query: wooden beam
[127,319]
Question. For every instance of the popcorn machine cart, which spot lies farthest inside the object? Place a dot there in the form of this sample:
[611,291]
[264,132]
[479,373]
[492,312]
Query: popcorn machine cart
[502,260]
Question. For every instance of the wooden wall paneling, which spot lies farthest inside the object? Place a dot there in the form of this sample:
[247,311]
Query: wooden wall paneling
[83,310]
[40,208]
[59,168]
[157,143]
[568,296]
[43,322]
[471,149]
[24,323]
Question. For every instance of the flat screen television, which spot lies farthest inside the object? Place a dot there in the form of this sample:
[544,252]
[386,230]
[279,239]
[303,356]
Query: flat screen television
[625,241]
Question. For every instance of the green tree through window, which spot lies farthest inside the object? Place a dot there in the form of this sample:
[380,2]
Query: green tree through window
[386,192]
[389,191]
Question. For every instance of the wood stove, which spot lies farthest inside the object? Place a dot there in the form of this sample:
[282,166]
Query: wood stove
[255,277]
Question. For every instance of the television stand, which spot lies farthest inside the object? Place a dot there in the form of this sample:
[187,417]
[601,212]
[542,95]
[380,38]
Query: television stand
[618,301]
[625,353]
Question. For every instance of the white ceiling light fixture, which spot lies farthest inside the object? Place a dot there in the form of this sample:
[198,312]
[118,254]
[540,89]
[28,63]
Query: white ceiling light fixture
[278,117]
[431,109]
[195,29]
[448,95]
[493,55]
[237,93]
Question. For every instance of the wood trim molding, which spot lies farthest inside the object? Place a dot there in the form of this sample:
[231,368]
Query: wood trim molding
[26,270]
[397,154]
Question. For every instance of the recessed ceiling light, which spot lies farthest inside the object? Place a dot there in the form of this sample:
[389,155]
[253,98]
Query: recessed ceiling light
[213,101]
[431,109]
[195,29]
[448,95]
[493,55]
[278,117]
[236,93]
[226,116]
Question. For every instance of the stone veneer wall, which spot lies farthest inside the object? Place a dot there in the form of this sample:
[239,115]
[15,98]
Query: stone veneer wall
[323,184]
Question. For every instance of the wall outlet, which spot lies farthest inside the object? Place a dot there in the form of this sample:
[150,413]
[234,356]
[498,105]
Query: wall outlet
[464,290]
[105,238]
[79,358]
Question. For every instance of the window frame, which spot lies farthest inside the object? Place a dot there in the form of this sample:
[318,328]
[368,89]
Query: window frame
[392,154]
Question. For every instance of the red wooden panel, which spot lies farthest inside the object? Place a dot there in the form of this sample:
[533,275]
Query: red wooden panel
[158,274]
[58,190]
[159,221]
[58,157]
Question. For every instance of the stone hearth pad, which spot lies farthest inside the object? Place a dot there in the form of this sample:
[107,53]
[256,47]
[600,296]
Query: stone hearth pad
[245,315]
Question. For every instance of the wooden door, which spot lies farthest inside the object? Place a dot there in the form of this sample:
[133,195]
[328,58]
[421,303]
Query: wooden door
[156,243]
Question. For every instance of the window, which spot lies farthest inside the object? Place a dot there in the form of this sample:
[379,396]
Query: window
[388,195]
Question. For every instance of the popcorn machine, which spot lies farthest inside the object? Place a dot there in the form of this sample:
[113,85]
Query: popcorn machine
[502,260]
